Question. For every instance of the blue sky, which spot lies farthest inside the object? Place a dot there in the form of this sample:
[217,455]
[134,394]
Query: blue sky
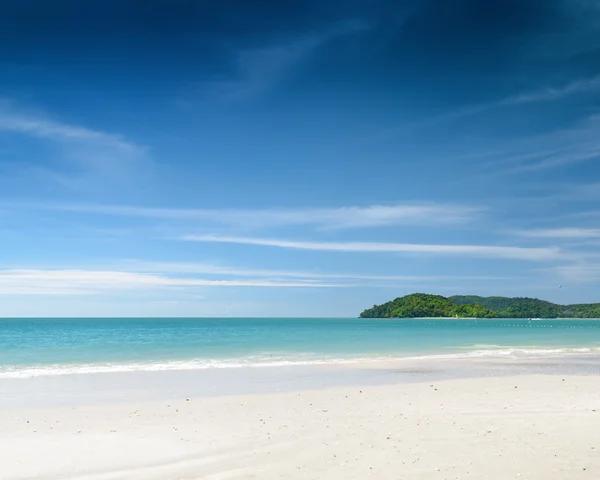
[295,158]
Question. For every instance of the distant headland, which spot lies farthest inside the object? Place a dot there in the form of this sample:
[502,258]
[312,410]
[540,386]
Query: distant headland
[472,306]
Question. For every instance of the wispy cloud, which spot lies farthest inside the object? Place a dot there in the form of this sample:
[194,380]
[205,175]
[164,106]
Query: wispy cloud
[87,282]
[545,94]
[198,268]
[46,128]
[519,253]
[578,272]
[584,85]
[257,70]
[579,153]
[565,233]
[173,278]
[557,148]
[84,151]
[331,218]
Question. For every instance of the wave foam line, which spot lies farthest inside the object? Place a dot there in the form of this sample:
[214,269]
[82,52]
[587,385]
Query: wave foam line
[252,362]
[52,370]
[512,352]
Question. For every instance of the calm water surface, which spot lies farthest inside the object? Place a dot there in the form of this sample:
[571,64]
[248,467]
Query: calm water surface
[48,346]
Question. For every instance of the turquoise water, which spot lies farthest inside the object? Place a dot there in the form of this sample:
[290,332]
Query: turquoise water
[31,347]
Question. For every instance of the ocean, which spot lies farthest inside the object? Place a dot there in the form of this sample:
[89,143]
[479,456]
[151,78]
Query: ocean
[59,346]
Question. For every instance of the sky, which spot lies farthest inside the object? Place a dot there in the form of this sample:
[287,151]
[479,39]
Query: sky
[299,158]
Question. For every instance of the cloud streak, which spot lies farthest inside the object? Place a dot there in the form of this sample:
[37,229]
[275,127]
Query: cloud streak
[578,272]
[258,70]
[517,253]
[558,148]
[330,218]
[565,148]
[566,233]
[547,94]
[87,282]
[152,277]
[84,153]
[197,268]
[43,127]
[584,85]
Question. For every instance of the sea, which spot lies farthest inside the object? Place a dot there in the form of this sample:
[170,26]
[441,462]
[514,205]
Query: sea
[64,346]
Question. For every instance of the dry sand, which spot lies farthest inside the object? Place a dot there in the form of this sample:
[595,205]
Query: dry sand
[525,427]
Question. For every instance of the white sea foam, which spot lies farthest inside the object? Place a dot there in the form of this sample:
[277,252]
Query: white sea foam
[513,352]
[49,370]
[476,351]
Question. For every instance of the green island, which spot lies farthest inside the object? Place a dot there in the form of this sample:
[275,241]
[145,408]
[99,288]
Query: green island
[472,306]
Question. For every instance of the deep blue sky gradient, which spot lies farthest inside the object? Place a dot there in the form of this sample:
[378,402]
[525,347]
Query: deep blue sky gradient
[295,158]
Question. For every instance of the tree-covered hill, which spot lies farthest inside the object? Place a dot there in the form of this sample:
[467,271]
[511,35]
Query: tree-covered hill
[470,306]
[520,307]
[424,305]
[584,310]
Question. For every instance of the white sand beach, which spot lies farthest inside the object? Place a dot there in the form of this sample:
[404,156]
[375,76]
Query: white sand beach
[510,427]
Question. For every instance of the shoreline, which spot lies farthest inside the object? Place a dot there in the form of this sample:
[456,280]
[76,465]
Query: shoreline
[527,426]
[297,360]
[118,387]
[80,347]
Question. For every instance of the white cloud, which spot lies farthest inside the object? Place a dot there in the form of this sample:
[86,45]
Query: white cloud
[583,85]
[60,132]
[547,94]
[85,282]
[567,233]
[520,253]
[84,153]
[260,69]
[198,268]
[344,217]
[137,277]
[42,126]
[578,153]
[555,149]
[580,272]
